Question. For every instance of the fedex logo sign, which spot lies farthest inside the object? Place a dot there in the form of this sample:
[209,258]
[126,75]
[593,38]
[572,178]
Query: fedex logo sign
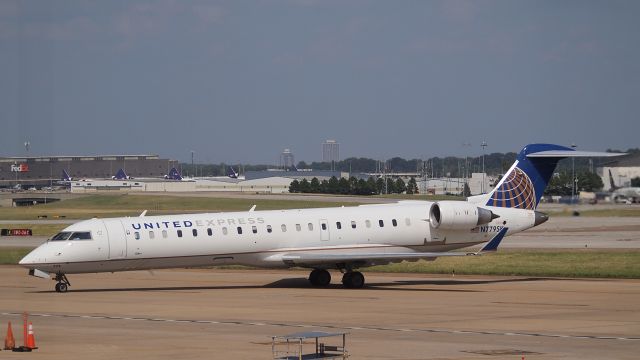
[19,168]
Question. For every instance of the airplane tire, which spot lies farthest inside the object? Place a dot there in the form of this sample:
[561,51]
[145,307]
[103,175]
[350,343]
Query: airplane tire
[61,287]
[320,277]
[58,287]
[353,280]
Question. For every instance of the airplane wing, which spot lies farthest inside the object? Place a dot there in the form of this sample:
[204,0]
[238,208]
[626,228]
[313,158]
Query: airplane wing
[311,259]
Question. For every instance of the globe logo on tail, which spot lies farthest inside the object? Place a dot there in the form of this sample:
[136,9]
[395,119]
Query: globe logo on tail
[516,191]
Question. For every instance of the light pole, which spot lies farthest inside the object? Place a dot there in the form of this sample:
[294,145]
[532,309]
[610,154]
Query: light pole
[573,176]
[483,145]
[192,167]
[466,164]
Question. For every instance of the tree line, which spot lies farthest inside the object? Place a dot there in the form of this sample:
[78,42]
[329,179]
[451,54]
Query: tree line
[562,184]
[451,166]
[354,186]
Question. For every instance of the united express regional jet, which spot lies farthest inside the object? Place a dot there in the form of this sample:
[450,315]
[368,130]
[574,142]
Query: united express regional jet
[344,238]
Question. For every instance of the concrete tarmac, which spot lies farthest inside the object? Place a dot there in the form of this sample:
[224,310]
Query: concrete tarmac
[195,314]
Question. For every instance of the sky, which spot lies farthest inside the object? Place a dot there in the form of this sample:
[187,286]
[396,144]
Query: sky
[239,81]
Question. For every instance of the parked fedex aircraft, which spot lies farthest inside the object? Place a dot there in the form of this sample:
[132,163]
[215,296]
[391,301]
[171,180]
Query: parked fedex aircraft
[173,174]
[232,173]
[344,238]
[121,175]
[65,179]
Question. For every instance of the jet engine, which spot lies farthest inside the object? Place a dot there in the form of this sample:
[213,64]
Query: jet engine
[458,215]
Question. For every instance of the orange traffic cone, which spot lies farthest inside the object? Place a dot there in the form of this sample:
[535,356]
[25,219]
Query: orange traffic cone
[9,341]
[31,340]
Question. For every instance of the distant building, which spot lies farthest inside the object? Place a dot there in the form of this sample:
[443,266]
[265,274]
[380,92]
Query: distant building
[620,171]
[286,159]
[43,170]
[330,151]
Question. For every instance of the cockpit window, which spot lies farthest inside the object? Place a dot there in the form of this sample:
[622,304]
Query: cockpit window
[66,235]
[84,235]
[62,236]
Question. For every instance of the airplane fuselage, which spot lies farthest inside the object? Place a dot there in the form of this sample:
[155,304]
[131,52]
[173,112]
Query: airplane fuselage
[259,238]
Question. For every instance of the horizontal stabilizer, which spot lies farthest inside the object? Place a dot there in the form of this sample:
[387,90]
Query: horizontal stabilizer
[492,245]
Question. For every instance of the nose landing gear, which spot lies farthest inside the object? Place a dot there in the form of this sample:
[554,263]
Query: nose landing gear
[62,284]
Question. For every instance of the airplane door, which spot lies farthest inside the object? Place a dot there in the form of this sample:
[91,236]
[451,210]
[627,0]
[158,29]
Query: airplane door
[324,230]
[117,239]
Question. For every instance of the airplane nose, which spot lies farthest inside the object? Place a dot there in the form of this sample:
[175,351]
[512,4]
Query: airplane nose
[26,260]
[30,258]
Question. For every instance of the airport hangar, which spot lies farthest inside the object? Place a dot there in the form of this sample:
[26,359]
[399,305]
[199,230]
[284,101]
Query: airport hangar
[622,169]
[47,170]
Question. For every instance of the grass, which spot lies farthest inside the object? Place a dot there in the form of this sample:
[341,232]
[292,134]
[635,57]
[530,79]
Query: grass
[11,256]
[38,229]
[562,263]
[132,205]
[558,263]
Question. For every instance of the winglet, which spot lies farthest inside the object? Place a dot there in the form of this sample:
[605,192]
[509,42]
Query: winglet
[252,208]
[143,213]
[492,245]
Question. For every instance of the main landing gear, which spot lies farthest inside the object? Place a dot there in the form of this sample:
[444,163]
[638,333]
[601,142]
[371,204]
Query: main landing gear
[353,280]
[62,284]
[350,279]
[319,277]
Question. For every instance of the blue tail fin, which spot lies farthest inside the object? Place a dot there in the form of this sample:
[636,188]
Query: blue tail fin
[65,175]
[232,173]
[173,175]
[121,175]
[523,185]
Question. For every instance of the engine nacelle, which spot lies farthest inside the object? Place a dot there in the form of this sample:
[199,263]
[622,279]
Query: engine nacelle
[458,215]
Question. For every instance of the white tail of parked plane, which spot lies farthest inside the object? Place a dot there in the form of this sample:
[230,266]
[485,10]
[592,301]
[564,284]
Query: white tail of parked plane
[343,238]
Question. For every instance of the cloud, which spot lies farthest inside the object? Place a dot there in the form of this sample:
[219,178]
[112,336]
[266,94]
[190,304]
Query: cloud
[208,14]
[461,11]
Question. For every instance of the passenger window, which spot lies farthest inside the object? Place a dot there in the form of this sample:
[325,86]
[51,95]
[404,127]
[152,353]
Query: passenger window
[225,231]
[394,222]
[353,224]
[338,225]
[367,223]
[151,235]
[135,234]
[324,226]
[381,223]
[164,234]
[254,229]
[194,232]
[239,230]
[407,221]
[209,232]
[310,226]
[283,227]
[179,233]
[269,230]
[298,227]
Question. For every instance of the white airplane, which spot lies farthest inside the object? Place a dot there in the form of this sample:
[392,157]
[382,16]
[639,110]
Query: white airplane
[343,238]
[624,194]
